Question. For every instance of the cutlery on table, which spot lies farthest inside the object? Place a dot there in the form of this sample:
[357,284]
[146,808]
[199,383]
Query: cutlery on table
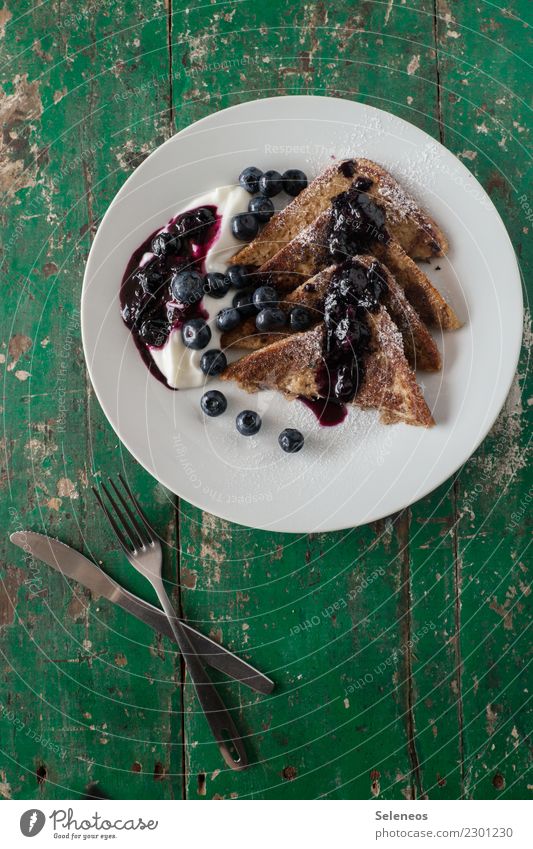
[143,551]
[74,565]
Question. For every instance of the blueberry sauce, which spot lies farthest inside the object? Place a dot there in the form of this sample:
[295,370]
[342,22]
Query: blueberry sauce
[348,168]
[145,293]
[354,291]
[328,413]
[357,222]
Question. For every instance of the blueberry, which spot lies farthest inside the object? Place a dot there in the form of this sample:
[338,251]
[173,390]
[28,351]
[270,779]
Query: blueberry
[248,423]
[371,210]
[300,319]
[159,244]
[270,183]
[262,207]
[346,383]
[129,312]
[213,403]
[265,296]
[195,334]
[244,226]
[165,243]
[290,440]
[195,224]
[204,215]
[187,286]
[294,181]
[270,319]
[154,332]
[239,275]
[213,362]
[216,285]
[244,304]
[152,271]
[137,309]
[186,224]
[249,179]
[359,335]
[228,319]
[150,277]
[363,184]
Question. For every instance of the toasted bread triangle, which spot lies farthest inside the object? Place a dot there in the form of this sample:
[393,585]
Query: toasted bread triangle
[307,254]
[291,365]
[420,348]
[409,225]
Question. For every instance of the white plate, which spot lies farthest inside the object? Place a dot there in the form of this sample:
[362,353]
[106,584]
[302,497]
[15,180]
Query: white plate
[359,471]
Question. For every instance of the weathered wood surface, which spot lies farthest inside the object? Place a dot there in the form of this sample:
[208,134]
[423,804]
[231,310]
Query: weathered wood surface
[416,684]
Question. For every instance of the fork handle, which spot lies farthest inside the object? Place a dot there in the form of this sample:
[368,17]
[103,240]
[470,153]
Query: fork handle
[219,718]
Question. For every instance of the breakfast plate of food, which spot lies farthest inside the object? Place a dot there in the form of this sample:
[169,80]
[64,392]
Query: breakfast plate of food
[301,314]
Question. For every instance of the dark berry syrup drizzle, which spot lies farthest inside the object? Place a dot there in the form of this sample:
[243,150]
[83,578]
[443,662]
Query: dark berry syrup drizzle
[357,223]
[357,220]
[354,291]
[328,413]
[147,305]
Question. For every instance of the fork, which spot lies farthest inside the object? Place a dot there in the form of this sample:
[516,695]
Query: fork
[143,551]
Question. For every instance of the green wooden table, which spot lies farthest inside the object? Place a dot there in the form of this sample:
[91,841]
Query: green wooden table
[400,648]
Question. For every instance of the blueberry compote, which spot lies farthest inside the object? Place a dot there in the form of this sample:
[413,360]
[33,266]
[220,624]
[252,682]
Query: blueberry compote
[328,413]
[357,221]
[147,305]
[354,291]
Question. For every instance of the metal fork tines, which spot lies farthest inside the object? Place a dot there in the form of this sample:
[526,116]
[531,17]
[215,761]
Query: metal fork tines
[143,550]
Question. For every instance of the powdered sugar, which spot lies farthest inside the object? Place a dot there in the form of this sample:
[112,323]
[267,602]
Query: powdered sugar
[401,205]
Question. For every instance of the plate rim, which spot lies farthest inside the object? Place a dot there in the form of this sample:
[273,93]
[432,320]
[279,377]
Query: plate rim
[503,389]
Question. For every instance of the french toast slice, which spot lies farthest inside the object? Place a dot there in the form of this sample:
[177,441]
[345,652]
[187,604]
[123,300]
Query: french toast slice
[295,364]
[420,348]
[408,224]
[310,252]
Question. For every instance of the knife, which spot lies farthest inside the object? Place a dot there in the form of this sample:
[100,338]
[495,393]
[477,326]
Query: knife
[76,566]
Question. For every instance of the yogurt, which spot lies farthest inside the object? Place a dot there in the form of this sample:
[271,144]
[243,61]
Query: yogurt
[179,365]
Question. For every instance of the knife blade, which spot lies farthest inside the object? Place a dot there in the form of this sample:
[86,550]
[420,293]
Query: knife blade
[76,566]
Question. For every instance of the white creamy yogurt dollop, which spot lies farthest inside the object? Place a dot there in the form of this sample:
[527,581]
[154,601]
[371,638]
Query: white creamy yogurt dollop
[180,365]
